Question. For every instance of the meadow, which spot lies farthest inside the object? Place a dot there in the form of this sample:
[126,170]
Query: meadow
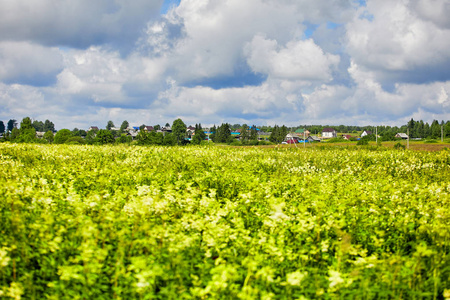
[207,222]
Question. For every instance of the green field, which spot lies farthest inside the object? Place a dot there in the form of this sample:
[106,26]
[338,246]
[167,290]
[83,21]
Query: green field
[105,222]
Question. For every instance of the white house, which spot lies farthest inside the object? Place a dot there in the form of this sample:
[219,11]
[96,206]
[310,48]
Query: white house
[402,136]
[329,133]
[365,132]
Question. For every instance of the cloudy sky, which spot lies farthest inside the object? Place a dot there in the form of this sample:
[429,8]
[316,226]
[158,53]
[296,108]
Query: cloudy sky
[265,62]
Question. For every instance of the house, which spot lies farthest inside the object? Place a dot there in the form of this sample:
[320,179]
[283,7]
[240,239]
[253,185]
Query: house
[40,134]
[291,138]
[329,133]
[313,138]
[148,128]
[302,132]
[403,136]
[365,132]
[95,128]
[346,137]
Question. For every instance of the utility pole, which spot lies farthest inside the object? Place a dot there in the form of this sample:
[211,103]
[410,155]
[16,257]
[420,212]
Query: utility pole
[376,134]
[407,141]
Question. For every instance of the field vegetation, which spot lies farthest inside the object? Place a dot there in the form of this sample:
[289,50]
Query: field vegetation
[198,222]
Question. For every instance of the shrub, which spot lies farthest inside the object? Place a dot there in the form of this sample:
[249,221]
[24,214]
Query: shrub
[75,140]
[399,146]
[362,142]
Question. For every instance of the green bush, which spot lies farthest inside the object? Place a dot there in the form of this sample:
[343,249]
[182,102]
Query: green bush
[362,142]
[399,146]
[75,140]
[430,141]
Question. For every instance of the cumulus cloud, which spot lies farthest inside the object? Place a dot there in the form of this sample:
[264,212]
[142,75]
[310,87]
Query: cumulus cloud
[27,63]
[255,61]
[78,24]
[299,60]
[390,38]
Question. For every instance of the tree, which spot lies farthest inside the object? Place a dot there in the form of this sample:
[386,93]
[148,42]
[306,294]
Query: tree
[212,135]
[199,135]
[223,134]
[104,137]
[27,133]
[435,129]
[170,139]
[157,127]
[14,133]
[62,136]
[123,139]
[244,136]
[143,138]
[274,135]
[90,137]
[179,130]
[11,124]
[48,136]
[167,125]
[253,133]
[48,126]
[2,127]
[110,125]
[278,134]
[38,125]
[124,126]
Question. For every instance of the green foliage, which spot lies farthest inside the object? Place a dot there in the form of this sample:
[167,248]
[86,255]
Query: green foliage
[12,123]
[124,139]
[90,137]
[87,222]
[62,135]
[124,126]
[179,131]
[430,141]
[336,140]
[149,138]
[199,135]
[2,127]
[253,133]
[75,140]
[244,135]
[48,136]
[26,134]
[278,134]
[222,134]
[104,137]
[170,139]
[48,125]
[399,146]
[14,134]
[109,125]
[363,142]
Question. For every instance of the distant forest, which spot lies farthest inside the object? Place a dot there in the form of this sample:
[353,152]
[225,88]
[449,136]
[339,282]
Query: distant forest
[28,128]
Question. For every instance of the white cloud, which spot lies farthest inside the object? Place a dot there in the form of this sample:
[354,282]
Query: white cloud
[78,23]
[299,60]
[392,38]
[30,63]
[384,62]
[435,11]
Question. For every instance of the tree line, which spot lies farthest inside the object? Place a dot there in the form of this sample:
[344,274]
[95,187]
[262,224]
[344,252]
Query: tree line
[248,135]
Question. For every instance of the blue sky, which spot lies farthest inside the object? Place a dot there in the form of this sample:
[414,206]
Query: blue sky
[266,62]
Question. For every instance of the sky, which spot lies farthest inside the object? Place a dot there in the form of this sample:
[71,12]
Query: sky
[264,62]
